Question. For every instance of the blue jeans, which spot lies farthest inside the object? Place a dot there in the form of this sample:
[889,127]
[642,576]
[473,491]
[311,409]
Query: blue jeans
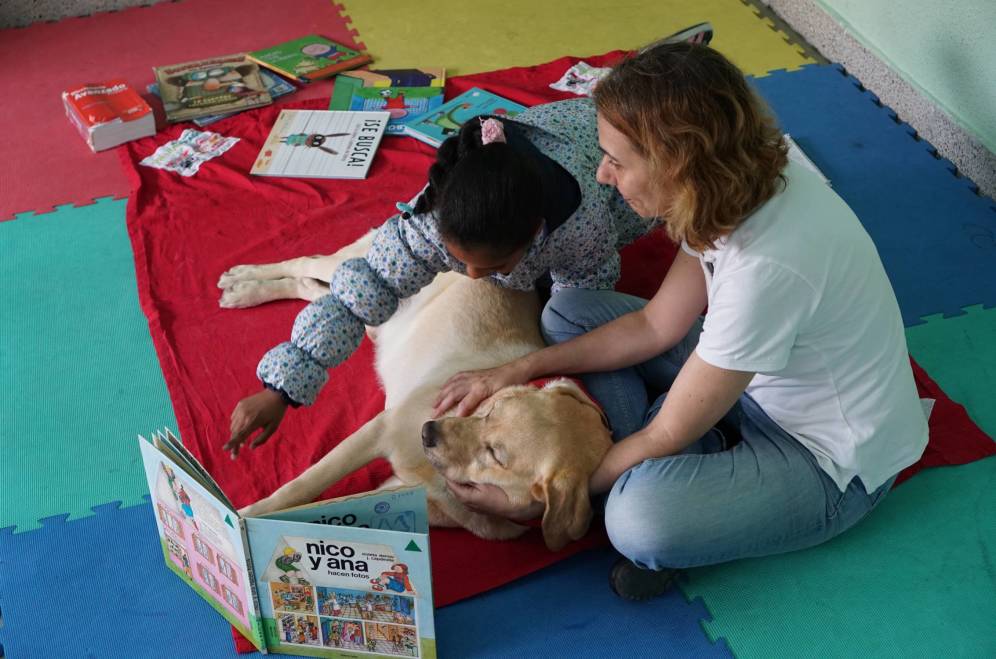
[747,488]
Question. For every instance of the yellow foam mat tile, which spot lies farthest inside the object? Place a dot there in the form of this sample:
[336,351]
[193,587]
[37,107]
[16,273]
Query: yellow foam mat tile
[470,38]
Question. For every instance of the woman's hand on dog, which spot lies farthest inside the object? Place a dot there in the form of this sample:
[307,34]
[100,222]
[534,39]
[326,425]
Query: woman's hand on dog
[492,500]
[466,390]
[261,411]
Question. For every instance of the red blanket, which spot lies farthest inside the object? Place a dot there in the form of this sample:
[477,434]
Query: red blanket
[187,231]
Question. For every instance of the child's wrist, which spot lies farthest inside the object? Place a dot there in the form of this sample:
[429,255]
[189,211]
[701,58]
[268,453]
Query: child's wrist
[281,394]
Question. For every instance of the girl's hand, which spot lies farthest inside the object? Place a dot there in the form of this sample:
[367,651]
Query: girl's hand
[466,390]
[492,500]
[263,410]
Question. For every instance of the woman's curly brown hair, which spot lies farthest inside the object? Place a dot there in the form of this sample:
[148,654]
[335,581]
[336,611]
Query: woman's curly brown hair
[705,134]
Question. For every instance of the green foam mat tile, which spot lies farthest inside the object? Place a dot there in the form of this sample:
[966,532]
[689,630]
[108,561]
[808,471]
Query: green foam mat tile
[914,579]
[78,372]
[960,354]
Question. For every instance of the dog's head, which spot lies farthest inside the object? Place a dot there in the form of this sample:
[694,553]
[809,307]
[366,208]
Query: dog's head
[535,444]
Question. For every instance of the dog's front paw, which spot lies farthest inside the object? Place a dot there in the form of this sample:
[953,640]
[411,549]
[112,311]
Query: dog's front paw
[237,274]
[251,293]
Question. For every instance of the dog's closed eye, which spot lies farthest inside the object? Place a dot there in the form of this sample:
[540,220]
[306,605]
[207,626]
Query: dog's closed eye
[498,455]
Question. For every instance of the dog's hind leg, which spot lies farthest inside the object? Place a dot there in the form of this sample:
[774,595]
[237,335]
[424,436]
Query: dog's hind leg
[253,292]
[304,278]
[357,450]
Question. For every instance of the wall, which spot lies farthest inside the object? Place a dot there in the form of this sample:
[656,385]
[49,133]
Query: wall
[933,63]
[947,50]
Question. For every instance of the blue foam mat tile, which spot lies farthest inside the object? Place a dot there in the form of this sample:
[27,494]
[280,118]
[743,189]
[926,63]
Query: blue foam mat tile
[98,587]
[923,219]
[567,610]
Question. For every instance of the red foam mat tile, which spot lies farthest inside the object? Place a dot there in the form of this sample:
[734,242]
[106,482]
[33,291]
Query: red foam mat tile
[44,161]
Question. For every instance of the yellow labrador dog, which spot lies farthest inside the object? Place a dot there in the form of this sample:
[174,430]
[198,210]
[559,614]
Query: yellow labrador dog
[536,443]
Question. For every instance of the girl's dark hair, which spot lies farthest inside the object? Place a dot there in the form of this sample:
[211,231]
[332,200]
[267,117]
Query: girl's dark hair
[485,196]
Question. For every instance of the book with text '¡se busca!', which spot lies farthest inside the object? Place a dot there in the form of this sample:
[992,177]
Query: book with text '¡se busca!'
[229,83]
[436,125]
[309,58]
[335,578]
[321,144]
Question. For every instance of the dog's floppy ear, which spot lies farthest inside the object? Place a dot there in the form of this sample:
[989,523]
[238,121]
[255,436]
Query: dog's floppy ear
[568,510]
[569,388]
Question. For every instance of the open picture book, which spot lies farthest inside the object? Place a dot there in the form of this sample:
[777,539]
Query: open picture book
[343,576]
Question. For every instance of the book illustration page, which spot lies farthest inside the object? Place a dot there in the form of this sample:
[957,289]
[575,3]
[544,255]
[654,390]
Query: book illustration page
[373,609]
[201,540]
[444,121]
[402,103]
[344,591]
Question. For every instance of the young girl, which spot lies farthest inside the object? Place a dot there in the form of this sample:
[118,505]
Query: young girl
[790,407]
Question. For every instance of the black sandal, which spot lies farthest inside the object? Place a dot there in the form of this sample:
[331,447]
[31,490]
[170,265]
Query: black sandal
[636,584]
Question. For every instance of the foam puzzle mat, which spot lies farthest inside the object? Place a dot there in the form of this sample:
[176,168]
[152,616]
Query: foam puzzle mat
[960,354]
[81,377]
[50,163]
[568,611]
[97,587]
[933,232]
[524,32]
[77,368]
[911,580]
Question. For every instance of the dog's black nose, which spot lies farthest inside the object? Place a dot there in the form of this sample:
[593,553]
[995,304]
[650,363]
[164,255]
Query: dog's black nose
[429,435]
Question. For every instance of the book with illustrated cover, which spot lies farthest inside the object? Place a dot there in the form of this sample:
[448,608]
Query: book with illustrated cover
[216,85]
[321,144]
[402,103]
[348,575]
[436,125]
[109,113]
[309,58]
[275,87]
[424,77]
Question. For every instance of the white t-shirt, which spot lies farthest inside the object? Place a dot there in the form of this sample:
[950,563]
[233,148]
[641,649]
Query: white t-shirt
[797,294]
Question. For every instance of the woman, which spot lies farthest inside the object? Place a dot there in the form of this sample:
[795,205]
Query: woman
[786,412]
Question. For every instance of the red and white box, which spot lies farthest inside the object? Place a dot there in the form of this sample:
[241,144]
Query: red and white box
[109,113]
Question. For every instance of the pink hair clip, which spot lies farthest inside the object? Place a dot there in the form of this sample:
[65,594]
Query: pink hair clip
[492,130]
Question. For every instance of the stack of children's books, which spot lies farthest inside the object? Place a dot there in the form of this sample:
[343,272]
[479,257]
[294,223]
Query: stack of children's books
[343,577]
[275,86]
[338,143]
[404,93]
